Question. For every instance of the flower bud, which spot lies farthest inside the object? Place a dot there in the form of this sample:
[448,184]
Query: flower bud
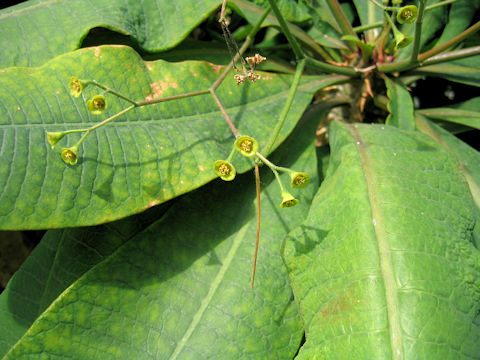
[288,200]
[97,104]
[225,170]
[255,60]
[246,145]
[54,137]
[299,179]
[75,86]
[407,14]
[70,155]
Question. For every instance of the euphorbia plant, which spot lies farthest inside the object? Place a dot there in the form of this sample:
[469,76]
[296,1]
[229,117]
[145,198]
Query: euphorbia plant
[375,258]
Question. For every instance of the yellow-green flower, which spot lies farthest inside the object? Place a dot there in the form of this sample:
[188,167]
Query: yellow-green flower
[54,137]
[76,86]
[299,179]
[70,155]
[225,170]
[401,40]
[288,200]
[246,145]
[97,104]
[407,14]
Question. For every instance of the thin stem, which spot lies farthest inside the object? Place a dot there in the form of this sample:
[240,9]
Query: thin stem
[378,4]
[460,37]
[248,41]
[407,65]
[225,115]
[418,32]
[96,126]
[358,29]
[174,97]
[113,117]
[286,107]
[272,167]
[112,91]
[286,31]
[257,239]
[342,20]
[442,3]
[329,68]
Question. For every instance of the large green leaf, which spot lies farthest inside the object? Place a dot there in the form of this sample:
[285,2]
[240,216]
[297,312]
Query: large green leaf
[177,290]
[35,31]
[384,266]
[141,159]
[57,262]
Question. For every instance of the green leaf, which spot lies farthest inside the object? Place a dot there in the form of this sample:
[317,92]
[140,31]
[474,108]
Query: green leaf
[465,71]
[175,291]
[400,105]
[384,266]
[468,157]
[290,9]
[59,260]
[459,18]
[369,14]
[464,117]
[141,159]
[35,31]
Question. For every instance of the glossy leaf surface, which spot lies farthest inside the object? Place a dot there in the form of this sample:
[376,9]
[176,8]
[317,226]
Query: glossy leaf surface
[35,31]
[141,159]
[173,291]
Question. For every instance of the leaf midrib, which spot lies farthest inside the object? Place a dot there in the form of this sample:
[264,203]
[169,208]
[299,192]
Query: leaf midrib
[27,9]
[386,266]
[211,292]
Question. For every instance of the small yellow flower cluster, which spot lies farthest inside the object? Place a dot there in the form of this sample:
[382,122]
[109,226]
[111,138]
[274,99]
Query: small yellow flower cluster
[248,147]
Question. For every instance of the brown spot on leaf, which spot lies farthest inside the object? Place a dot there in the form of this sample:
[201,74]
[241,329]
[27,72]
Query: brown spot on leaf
[216,68]
[149,66]
[97,51]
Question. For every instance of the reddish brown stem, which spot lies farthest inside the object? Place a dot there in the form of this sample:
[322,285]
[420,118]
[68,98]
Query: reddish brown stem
[257,240]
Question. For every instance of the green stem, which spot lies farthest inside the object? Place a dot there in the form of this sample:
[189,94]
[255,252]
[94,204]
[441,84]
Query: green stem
[442,3]
[113,117]
[112,91]
[381,6]
[418,32]
[329,68]
[286,31]
[272,167]
[358,29]
[167,98]
[286,107]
